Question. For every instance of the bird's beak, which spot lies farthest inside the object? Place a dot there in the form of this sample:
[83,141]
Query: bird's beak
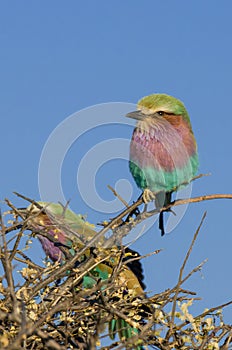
[22,210]
[138,115]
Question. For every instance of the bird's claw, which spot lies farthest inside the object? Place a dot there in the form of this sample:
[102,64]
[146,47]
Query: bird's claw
[148,196]
[135,212]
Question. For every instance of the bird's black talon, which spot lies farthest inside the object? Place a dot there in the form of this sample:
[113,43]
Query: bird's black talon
[135,212]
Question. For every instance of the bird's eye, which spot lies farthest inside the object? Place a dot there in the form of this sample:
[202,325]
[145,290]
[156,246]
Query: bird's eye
[160,113]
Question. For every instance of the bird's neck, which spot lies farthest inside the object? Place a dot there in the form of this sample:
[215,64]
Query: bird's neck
[168,126]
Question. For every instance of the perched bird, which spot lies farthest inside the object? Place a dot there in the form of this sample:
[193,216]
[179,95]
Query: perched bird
[63,226]
[163,150]
[69,230]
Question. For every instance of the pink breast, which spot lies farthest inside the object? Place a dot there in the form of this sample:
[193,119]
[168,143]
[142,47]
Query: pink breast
[163,147]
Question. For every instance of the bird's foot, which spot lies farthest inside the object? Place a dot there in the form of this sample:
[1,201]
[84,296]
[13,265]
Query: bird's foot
[148,196]
[134,212]
[105,223]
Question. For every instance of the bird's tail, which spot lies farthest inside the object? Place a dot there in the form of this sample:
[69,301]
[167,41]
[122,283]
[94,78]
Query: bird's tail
[132,278]
[162,200]
[161,223]
[125,331]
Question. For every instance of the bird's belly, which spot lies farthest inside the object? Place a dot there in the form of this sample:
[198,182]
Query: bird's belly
[161,164]
[50,249]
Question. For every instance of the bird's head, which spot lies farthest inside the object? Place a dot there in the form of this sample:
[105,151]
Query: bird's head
[36,213]
[159,106]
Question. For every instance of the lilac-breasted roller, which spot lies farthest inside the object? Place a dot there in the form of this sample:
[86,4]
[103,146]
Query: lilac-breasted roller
[163,149]
[71,231]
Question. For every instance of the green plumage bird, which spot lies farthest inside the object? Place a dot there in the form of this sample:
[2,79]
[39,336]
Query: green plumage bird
[163,150]
[72,231]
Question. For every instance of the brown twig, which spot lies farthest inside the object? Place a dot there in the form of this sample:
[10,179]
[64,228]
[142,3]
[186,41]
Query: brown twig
[5,257]
[181,274]
[118,196]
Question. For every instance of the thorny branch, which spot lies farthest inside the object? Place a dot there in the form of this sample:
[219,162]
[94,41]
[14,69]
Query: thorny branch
[181,274]
[45,307]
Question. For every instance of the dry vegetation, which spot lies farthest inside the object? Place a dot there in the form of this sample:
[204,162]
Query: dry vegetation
[45,307]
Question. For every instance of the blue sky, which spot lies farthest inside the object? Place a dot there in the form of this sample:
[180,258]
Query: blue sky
[58,58]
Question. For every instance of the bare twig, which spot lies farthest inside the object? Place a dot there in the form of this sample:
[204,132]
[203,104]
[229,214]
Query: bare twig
[55,311]
[118,196]
[181,273]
